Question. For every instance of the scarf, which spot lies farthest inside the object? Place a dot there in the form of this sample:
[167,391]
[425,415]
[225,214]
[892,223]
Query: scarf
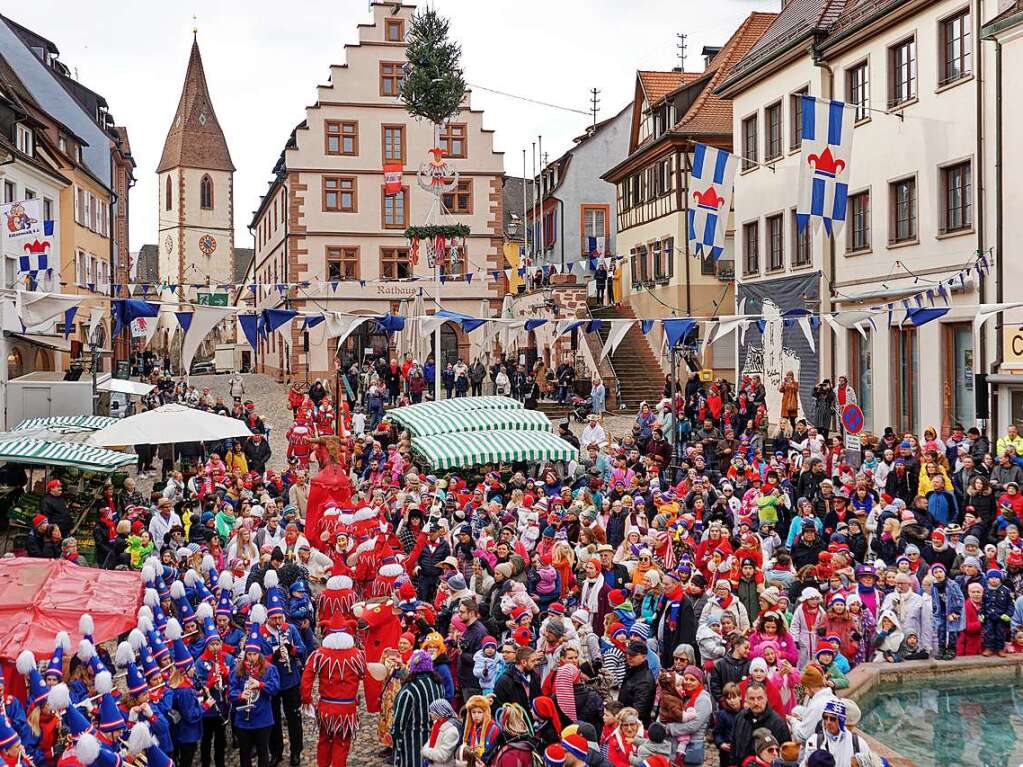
[564,689]
[689,699]
[435,731]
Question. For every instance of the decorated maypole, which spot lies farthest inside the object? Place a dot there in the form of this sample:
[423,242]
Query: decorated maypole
[432,89]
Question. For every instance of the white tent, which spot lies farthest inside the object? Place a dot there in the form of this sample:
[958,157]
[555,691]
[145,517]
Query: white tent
[124,386]
[171,424]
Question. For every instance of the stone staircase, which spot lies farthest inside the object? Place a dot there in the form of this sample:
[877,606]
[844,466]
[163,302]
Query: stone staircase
[639,374]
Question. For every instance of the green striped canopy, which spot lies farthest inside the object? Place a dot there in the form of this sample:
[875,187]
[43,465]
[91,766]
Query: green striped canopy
[444,407]
[94,422]
[74,454]
[426,424]
[447,451]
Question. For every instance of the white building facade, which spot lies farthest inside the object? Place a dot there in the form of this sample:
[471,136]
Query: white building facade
[914,221]
[326,219]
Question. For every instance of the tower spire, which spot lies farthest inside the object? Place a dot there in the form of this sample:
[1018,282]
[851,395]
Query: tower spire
[195,139]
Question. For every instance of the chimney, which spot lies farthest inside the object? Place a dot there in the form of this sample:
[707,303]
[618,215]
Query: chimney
[676,69]
[708,53]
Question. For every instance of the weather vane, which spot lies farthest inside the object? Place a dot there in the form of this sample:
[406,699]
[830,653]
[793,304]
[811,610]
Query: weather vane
[195,25]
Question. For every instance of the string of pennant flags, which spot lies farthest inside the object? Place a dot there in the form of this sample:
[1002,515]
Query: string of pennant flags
[34,309]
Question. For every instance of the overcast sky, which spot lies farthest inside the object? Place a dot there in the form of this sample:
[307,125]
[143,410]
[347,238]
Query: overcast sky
[263,60]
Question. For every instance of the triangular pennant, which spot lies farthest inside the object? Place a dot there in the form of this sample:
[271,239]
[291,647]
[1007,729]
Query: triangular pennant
[69,319]
[646,326]
[184,320]
[250,325]
[676,330]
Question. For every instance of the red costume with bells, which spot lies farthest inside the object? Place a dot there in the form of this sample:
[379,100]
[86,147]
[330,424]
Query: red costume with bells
[381,628]
[330,484]
[338,666]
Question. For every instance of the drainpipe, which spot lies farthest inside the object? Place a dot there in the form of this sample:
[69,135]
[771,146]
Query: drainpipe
[979,196]
[829,86]
[1000,251]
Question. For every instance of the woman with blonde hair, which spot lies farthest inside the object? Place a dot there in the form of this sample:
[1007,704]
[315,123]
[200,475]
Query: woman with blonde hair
[563,560]
[243,548]
[517,737]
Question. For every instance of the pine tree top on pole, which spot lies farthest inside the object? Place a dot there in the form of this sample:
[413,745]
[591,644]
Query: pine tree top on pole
[434,85]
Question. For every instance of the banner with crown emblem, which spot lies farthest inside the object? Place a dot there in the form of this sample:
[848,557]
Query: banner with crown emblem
[825,159]
[713,179]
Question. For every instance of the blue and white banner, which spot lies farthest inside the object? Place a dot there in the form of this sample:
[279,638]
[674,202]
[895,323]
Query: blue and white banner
[713,179]
[824,164]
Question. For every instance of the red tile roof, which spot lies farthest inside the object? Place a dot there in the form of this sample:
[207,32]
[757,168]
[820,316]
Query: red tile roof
[710,113]
[195,139]
[657,85]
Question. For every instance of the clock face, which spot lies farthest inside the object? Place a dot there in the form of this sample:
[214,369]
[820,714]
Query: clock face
[168,245]
[207,244]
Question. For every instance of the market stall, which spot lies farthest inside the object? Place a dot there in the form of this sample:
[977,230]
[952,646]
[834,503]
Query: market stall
[425,424]
[447,451]
[456,405]
[84,469]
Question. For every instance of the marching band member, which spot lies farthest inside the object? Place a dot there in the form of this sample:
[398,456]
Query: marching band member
[253,684]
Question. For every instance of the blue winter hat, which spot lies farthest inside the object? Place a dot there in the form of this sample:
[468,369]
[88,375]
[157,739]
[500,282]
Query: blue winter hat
[8,737]
[55,667]
[994,573]
[254,642]
[274,596]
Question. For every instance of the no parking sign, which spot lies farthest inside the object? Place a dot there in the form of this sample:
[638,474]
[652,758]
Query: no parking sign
[852,419]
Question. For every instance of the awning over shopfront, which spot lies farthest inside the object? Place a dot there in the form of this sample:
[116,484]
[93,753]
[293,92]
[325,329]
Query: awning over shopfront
[443,408]
[426,424]
[446,451]
[93,422]
[36,452]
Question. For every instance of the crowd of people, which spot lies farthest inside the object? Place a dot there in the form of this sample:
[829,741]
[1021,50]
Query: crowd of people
[706,581]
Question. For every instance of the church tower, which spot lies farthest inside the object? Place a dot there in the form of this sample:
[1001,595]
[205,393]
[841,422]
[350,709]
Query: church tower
[196,189]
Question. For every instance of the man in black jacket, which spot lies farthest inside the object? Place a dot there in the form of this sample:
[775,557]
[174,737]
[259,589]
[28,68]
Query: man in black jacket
[731,668]
[257,452]
[638,687]
[35,541]
[756,714]
[471,641]
[519,683]
[55,509]
[807,547]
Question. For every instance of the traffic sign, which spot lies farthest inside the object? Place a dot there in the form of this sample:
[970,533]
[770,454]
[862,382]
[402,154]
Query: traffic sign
[852,419]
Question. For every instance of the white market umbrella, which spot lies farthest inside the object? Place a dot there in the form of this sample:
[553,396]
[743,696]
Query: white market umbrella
[171,423]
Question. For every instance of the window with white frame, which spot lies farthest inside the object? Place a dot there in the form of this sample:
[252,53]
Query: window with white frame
[24,139]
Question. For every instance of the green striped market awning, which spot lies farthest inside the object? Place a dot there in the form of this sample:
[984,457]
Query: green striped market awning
[94,422]
[455,405]
[446,451]
[74,454]
[426,424]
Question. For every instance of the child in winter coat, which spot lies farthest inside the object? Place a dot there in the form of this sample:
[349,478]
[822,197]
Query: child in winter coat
[995,614]
[724,723]
[516,596]
[888,639]
[671,709]
[486,665]
[654,744]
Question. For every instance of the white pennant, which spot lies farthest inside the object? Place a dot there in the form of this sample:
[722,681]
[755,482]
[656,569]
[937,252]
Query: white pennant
[830,319]
[710,329]
[510,332]
[35,308]
[204,319]
[619,329]
[96,315]
[804,325]
[341,325]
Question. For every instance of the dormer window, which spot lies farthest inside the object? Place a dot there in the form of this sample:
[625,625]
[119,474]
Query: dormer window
[662,119]
[24,139]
